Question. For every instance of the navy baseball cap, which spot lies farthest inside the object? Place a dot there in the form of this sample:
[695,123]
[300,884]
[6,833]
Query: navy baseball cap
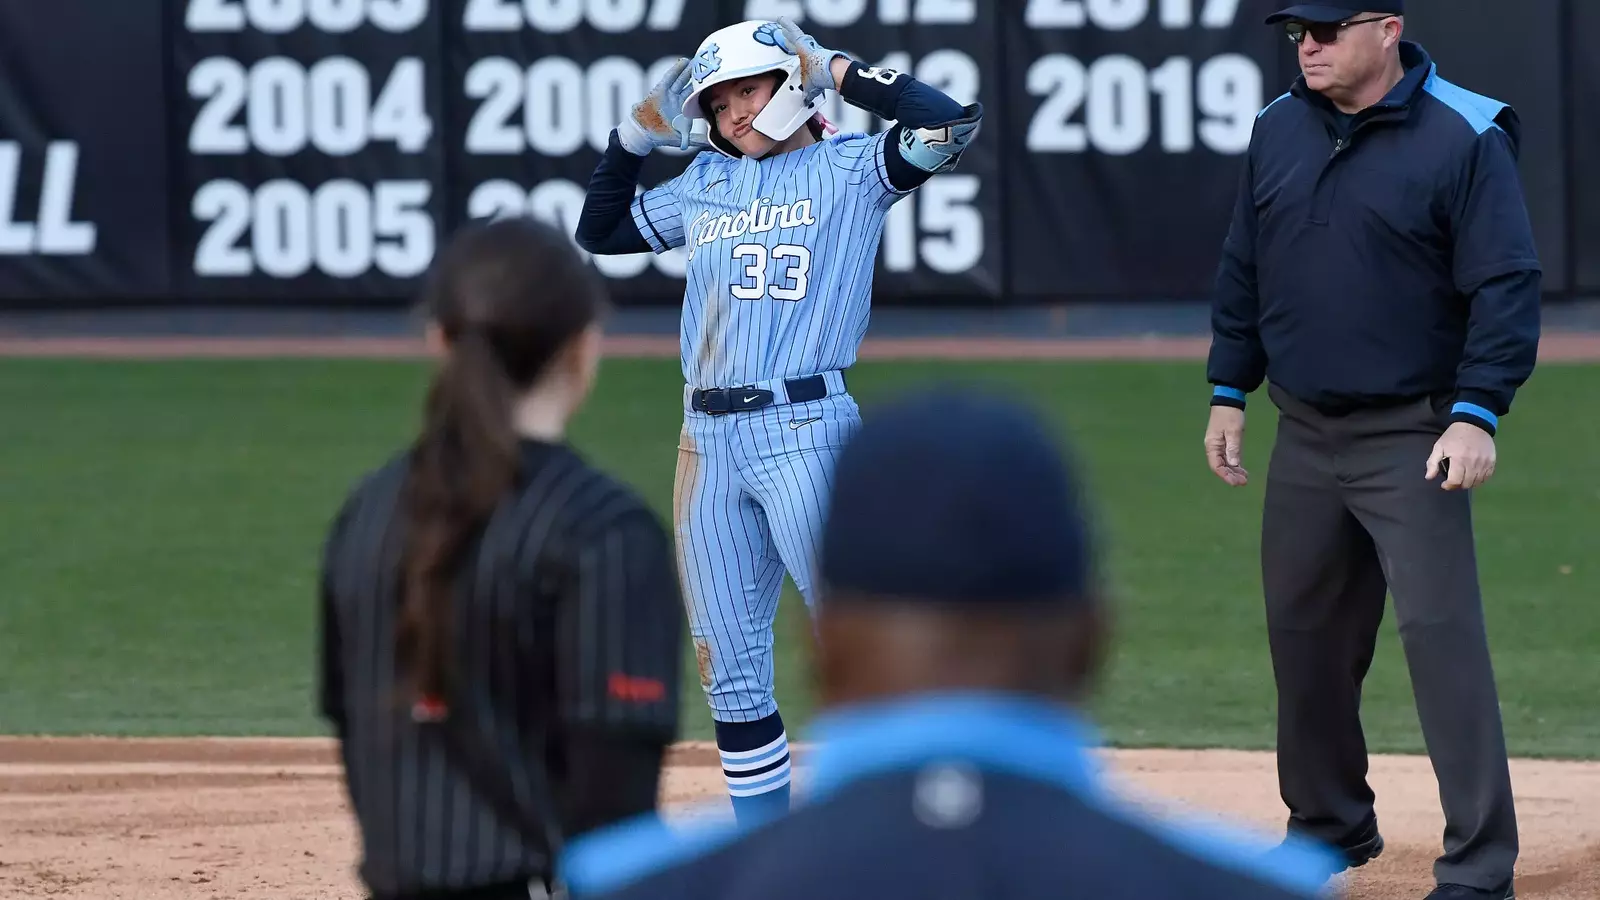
[956,496]
[1336,12]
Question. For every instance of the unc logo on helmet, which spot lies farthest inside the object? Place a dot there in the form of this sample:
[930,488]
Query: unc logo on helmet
[742,50]
[706,62]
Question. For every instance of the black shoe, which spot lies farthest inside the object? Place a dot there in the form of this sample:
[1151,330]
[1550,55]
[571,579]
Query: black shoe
[1355,855]
[1462,892]
[1358,855]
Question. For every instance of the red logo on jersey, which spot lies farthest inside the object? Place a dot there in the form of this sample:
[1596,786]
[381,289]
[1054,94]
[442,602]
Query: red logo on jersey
[429,708]
[632,689]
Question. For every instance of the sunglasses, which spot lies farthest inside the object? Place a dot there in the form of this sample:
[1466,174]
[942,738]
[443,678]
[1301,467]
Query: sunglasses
[1323,32]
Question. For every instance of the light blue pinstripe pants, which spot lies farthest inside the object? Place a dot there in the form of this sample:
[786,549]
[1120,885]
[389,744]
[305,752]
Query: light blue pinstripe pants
[748,502]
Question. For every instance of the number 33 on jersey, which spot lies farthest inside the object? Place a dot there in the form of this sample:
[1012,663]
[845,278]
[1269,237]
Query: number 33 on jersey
[798,231]
[710,229]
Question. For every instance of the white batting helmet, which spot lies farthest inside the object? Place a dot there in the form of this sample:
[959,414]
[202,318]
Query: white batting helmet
[738,51]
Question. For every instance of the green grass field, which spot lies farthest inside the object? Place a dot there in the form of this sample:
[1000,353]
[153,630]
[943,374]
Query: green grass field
[161,522]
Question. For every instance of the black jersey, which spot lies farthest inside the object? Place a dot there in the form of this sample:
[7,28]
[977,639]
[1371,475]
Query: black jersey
[567,648]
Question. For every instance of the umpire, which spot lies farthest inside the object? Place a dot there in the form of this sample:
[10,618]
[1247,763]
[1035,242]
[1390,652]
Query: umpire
[501,623]
[1380,273]
[959,625]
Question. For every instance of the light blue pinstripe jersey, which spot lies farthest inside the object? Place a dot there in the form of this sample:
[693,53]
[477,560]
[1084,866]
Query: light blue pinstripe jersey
[780,257]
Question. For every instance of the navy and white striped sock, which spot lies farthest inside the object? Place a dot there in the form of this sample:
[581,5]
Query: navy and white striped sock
[755,762]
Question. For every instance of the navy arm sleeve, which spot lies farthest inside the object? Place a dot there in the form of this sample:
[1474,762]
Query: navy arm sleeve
[910,103]
[1497,268]
[1237,363]
[605,225]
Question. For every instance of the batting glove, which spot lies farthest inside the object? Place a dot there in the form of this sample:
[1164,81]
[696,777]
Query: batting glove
[815,60]
[658,119]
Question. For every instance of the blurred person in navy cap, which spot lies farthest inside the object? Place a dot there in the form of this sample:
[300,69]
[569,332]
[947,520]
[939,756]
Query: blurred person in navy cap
[960,628]
[1381,278]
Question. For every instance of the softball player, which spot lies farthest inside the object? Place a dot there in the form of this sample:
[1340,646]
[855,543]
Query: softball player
[781,221]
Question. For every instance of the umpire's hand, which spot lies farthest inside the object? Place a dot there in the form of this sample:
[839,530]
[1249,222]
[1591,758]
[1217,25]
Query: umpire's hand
[1225,445]
[1470,451]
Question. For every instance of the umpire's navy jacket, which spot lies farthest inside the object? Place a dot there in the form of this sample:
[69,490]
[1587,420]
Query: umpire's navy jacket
[960,795]
[1379,258]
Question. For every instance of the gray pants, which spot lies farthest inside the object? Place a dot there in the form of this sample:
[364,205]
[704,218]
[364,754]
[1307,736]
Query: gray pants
[1348,518]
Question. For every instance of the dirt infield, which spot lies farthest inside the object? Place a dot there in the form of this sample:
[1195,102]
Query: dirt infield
[248,818]
[1553,348]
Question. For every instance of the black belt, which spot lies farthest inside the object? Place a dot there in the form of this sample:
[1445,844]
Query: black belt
[717,401]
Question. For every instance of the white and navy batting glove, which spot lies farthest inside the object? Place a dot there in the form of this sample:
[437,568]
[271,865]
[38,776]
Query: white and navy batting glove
[658,119]
[815,60]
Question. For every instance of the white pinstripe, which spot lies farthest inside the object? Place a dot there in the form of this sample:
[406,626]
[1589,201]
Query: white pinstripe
[755,509]
[752,487]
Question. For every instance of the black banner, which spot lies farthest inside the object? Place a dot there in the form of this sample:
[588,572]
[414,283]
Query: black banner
[534,91]
[1533,87]
[944,240]
[309,146]
[83,158]
[1129,123]
[313,151]
[1583,145]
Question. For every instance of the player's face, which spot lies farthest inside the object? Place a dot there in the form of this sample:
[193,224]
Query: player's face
[1353,56]
[735,105]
